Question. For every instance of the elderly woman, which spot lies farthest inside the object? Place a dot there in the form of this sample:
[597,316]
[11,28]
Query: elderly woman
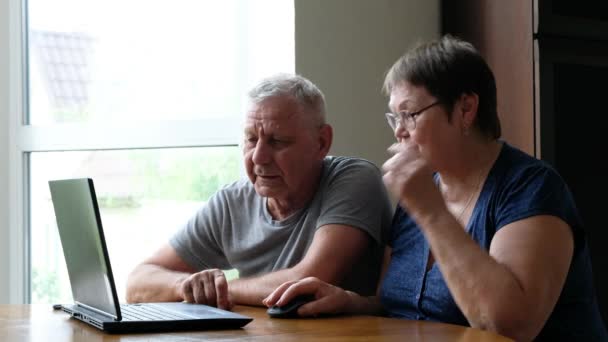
[485,235]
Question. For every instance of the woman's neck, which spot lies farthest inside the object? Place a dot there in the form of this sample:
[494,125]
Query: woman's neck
[472,168]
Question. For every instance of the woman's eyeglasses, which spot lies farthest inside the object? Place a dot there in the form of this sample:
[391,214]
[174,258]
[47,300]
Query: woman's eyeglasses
[408,120]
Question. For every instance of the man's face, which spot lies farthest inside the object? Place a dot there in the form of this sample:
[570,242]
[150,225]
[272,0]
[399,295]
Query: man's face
[282,149]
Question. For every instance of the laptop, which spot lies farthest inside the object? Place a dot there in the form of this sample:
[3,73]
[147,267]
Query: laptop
[90,273]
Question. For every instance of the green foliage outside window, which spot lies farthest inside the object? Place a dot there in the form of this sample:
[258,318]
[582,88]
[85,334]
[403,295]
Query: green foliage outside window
[185,176]
[177,175]
[45,286]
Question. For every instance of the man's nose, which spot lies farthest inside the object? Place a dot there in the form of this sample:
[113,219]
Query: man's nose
[261,153]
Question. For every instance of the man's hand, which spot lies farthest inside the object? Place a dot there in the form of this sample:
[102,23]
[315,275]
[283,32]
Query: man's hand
[207,287]
[328,298]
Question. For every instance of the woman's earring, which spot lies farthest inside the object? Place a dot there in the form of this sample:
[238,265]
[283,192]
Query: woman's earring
[465,130]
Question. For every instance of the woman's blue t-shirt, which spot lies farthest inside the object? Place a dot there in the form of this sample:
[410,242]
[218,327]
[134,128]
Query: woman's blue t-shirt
[518,186]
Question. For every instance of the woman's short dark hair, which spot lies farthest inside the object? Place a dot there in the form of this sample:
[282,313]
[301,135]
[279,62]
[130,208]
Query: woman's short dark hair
[447,68]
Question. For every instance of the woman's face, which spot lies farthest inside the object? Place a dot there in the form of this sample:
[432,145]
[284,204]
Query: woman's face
[433,133]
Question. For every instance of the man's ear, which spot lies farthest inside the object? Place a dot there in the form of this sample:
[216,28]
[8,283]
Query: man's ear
[469,104]
[326,135]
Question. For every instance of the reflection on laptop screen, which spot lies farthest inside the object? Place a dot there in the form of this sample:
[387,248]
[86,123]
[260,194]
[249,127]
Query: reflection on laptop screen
[79,226]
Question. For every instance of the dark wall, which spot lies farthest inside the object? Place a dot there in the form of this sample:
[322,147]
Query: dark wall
[489,25]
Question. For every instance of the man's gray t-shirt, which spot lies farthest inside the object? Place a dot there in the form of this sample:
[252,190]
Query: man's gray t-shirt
[235,230]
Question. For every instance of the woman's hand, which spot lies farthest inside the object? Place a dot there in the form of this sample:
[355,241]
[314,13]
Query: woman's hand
[329,299]
[408,177]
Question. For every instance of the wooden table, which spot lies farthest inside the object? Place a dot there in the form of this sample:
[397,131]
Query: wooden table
[41,323]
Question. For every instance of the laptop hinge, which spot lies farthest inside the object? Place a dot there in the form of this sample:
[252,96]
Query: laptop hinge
[97,311]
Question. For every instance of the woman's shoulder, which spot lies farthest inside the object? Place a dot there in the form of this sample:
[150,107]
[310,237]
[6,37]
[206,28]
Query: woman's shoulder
[522,186]
[515,167]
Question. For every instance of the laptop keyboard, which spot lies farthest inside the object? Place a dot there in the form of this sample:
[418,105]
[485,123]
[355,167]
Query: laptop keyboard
[143,312]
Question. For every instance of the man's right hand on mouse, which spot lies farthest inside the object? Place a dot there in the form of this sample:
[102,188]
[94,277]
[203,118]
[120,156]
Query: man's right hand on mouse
[290,310]
[329,299]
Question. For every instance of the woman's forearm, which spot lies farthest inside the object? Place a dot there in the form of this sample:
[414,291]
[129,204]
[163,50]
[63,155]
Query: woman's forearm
[487,293]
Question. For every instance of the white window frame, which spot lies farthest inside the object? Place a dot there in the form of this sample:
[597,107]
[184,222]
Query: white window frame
[12,211]
[24,139]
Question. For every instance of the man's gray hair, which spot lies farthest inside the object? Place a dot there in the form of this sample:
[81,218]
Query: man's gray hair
[307,95]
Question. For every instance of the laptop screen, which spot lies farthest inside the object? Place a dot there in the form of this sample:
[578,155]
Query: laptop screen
[83,244]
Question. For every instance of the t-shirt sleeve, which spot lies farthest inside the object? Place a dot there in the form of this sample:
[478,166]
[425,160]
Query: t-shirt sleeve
[399,218]
[537,190]
[355,196]
[198,242]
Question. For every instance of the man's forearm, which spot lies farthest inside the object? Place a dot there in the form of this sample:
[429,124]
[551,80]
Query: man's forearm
[251,291]
[363,305]
[152,283]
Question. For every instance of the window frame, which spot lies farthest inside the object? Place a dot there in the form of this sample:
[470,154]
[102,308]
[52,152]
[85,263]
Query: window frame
[15,258]
[24,139]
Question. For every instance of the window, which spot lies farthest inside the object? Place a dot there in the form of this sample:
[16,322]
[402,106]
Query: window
[146,98]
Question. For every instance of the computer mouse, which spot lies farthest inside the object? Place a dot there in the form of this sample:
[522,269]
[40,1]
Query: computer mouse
[289,310]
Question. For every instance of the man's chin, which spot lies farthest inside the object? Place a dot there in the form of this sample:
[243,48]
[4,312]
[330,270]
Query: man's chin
[267,191]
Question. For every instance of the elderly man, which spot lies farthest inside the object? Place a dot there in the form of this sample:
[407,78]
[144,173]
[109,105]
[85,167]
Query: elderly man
[299,214]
